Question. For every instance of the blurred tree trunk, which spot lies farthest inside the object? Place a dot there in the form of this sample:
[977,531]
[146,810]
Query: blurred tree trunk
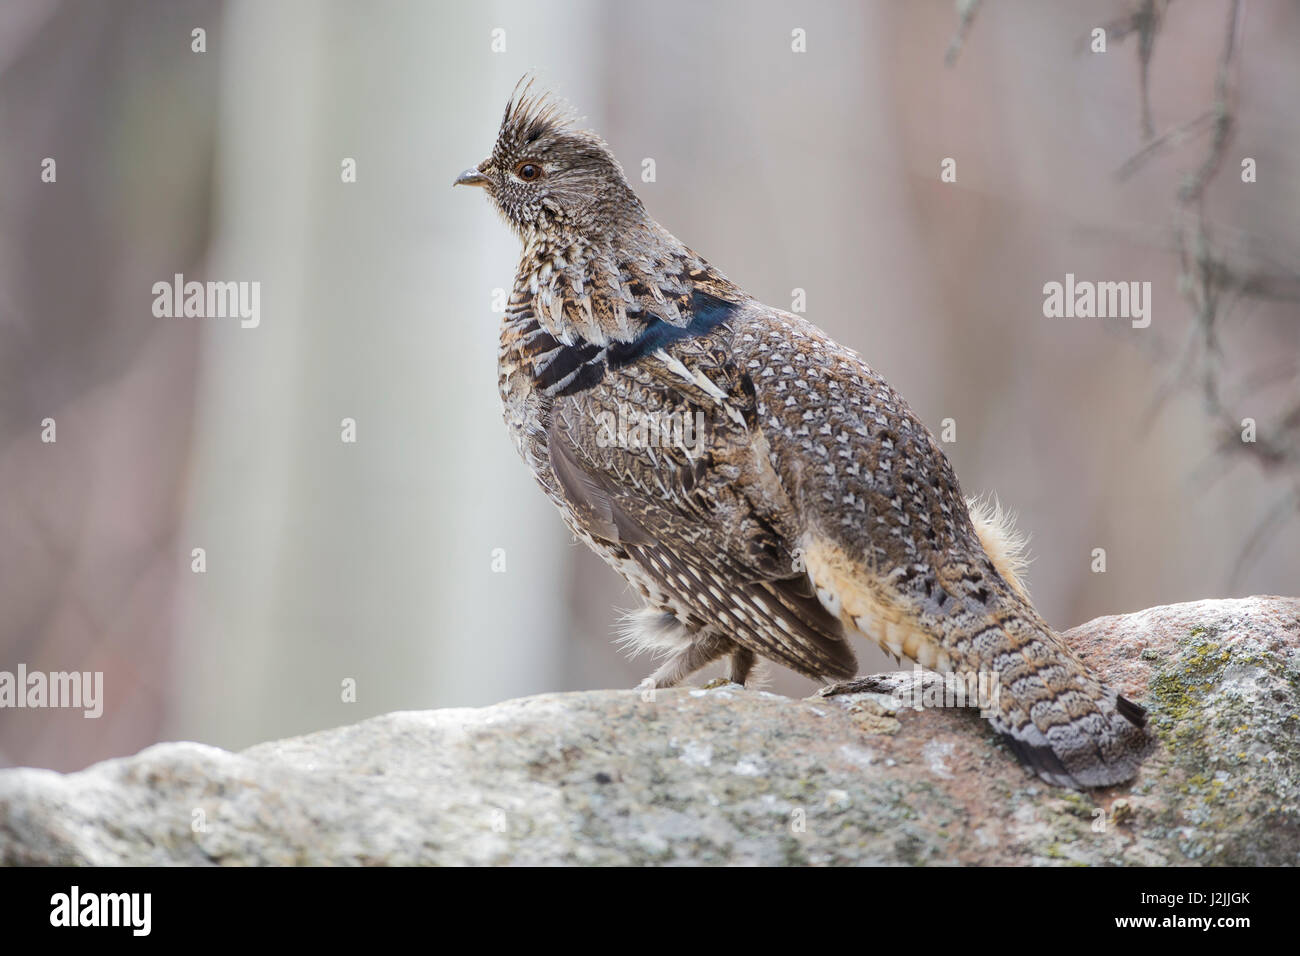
[371,561]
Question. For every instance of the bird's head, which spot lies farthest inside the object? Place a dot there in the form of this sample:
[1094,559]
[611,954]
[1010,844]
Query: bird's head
[544,175]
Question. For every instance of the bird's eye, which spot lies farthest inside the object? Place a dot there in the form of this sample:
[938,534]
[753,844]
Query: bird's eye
[528,172]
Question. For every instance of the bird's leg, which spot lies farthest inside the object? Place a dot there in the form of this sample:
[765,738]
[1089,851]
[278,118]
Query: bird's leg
[742,662]
[699,653]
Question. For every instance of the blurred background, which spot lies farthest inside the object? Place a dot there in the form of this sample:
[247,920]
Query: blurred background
[380,561]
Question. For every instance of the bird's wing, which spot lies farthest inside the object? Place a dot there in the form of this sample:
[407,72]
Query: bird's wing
[662,461]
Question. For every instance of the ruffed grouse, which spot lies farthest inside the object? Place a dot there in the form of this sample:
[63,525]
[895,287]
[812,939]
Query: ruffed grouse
[772,494]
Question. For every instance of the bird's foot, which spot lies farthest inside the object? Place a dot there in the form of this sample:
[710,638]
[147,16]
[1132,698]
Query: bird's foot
[871,684]
[721,682]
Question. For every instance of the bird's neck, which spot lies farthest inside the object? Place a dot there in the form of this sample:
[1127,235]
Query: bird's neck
[611,289]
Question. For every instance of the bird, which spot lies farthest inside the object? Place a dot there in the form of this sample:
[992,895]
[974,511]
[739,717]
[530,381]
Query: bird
[775,497]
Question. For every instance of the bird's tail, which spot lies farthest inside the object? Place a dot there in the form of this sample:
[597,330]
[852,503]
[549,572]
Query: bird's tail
[1057,717]
[968,617]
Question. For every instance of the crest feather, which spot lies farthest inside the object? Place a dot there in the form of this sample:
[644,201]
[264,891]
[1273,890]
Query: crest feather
[530,115]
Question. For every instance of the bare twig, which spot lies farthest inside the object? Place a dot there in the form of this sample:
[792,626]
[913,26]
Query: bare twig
[1147,19]
[1267,527]
[966,10]
[1171,137]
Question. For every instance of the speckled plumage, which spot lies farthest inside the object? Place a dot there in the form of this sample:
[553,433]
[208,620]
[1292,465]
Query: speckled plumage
[812,506]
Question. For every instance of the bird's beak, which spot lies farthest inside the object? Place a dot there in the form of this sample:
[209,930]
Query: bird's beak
[471,177]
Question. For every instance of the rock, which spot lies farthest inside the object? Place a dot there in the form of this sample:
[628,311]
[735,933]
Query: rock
[724,776]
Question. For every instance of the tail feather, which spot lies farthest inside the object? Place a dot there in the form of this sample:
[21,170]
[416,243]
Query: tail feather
[1104,754]
[1135,713]
[1069,728]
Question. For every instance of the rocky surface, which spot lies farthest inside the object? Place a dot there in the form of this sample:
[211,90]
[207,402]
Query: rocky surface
[724,776]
